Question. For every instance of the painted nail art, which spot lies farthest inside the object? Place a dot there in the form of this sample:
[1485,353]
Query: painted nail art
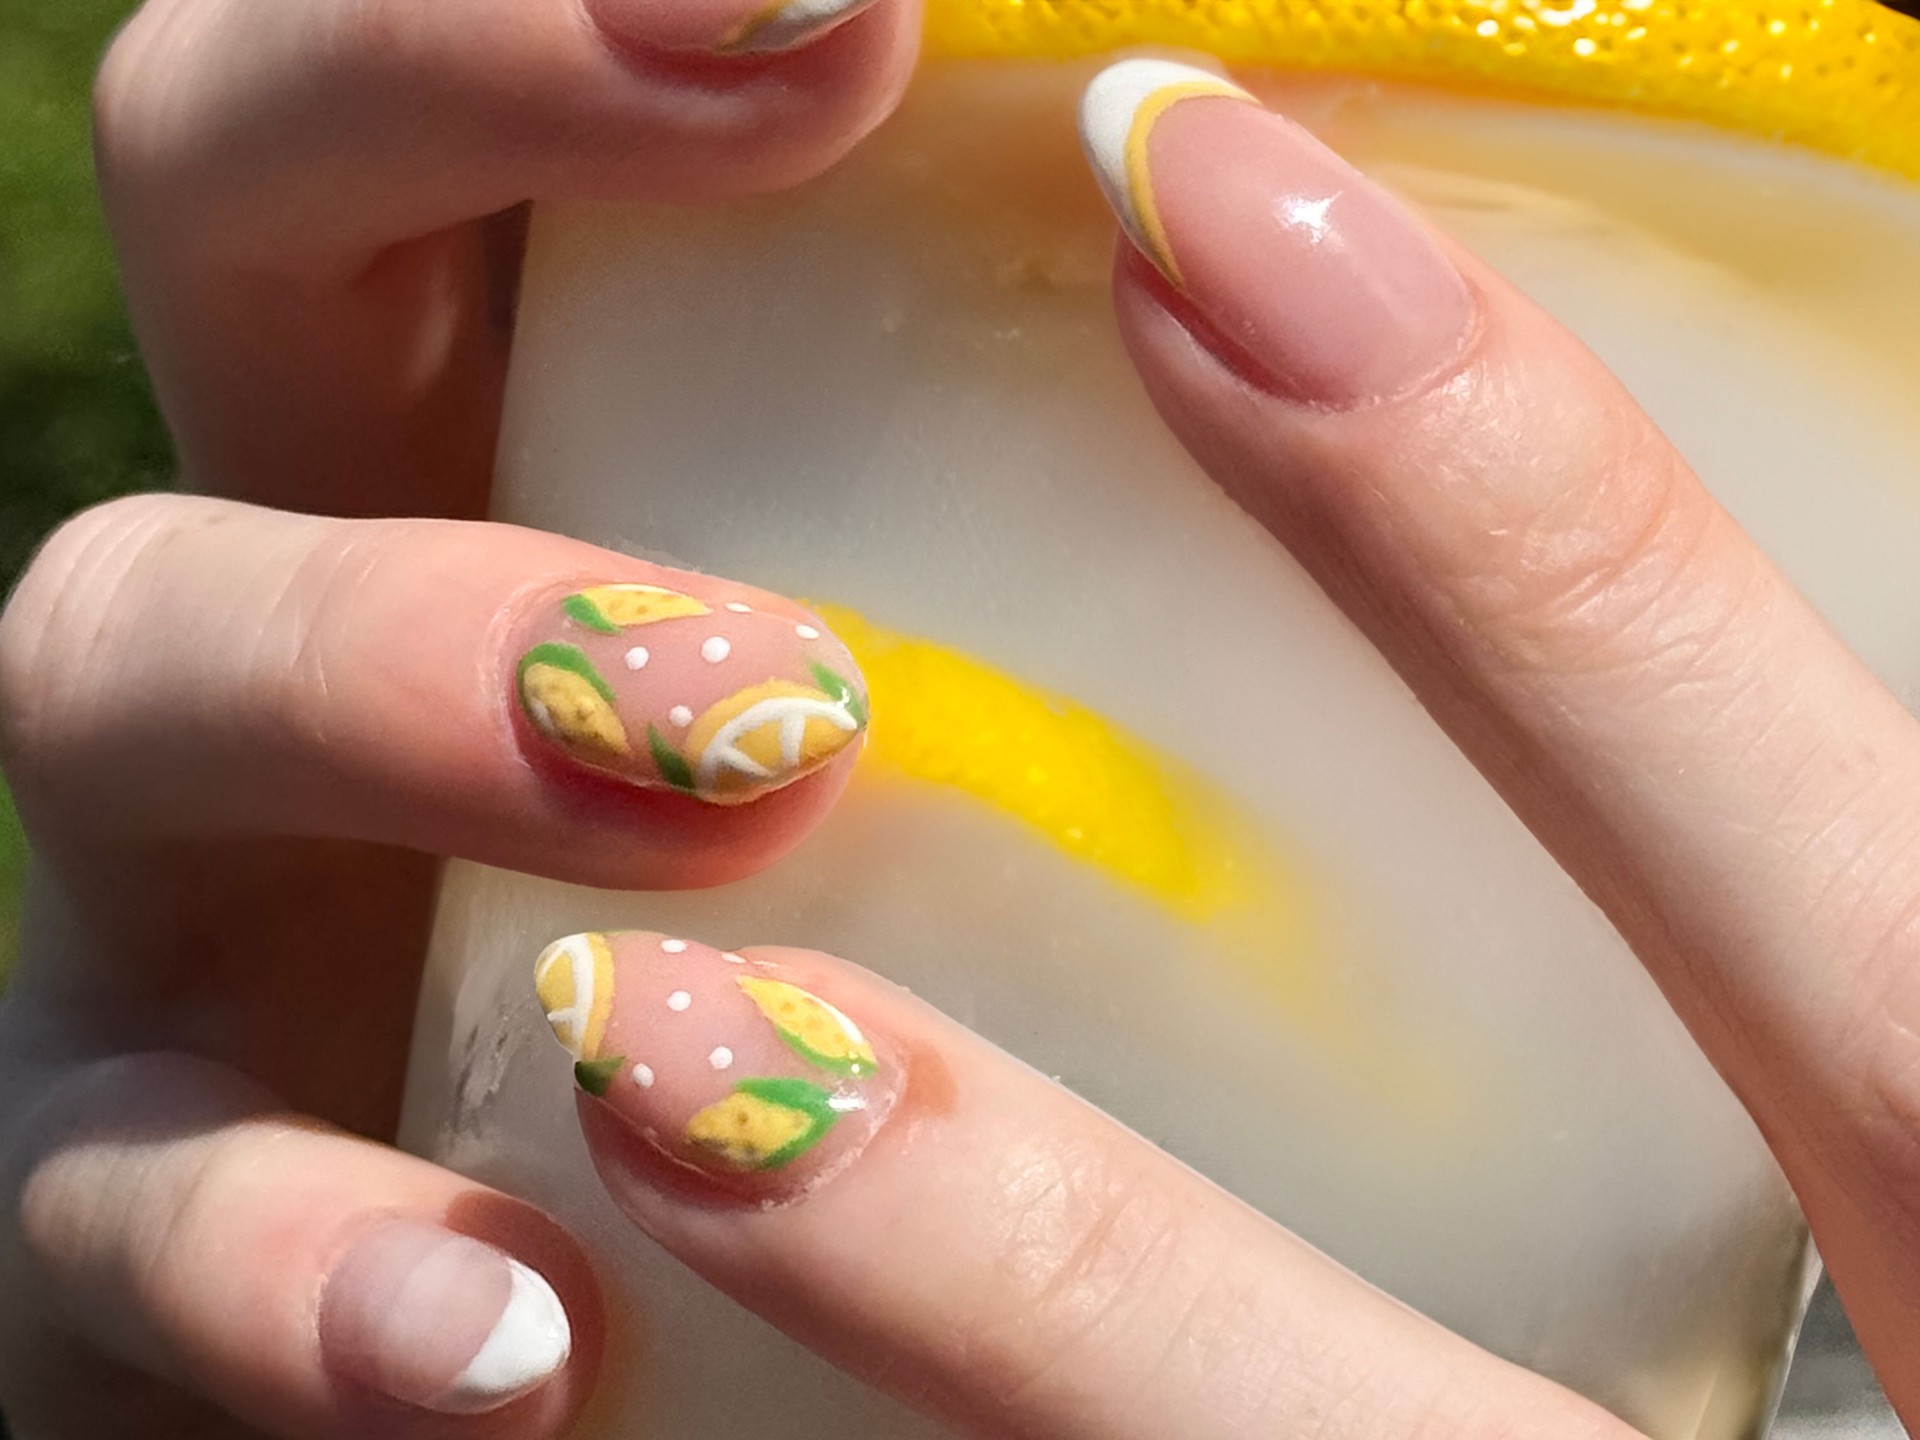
[726,1067]
[786,23]
[1117,116]
[724,699]
[725,27]
[440,1320]
[1293,256]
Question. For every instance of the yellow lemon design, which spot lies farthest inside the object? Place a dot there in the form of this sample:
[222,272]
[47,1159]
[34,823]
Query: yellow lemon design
[566,698]
[574,980]
[770,733]
[612,608]
[1838,75]
[764,1124]
[813,1029]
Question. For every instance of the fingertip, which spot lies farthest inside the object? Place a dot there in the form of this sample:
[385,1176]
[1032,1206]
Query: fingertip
[753,120]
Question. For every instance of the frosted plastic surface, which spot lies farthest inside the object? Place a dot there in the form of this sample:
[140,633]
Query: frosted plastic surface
[901,389]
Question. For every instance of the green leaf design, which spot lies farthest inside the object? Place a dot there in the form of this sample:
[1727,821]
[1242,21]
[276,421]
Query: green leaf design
[673,765]
[802,1095]
[583,611]
[593,1076]
[564,657]
[833,1064]
[839,690]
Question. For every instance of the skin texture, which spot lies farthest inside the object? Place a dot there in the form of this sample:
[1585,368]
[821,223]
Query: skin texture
[235,806]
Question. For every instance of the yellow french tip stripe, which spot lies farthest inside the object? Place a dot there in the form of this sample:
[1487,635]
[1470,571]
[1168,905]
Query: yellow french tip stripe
[1146,211]
[1840,76]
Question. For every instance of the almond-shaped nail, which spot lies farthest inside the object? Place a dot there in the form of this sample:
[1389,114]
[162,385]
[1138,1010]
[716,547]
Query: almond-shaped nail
[726,27]
[1309,268]
[441,1321]
[731,1070]
[724,694]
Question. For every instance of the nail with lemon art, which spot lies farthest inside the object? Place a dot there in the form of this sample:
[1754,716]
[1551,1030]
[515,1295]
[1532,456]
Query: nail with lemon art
[709,690]
[729,1067]
[1118,113]
[787,23]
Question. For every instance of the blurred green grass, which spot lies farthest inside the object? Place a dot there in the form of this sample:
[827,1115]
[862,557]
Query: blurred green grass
[77,421]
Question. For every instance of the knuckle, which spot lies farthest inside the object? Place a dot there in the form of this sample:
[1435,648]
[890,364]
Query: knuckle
[60,616]
[1083,1244]
[1617,565]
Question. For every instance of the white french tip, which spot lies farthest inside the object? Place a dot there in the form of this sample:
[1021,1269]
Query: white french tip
[529,1341]
[788,25]
[1108,109]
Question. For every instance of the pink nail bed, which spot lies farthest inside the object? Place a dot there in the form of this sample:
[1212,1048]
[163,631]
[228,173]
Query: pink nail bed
[704,687]
[1319,275]
[729,1069]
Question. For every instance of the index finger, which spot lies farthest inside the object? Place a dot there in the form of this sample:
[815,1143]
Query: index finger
[1640,683]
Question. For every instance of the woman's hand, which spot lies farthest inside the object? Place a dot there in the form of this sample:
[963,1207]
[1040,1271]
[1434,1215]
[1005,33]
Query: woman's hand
[198,701]
[238,738]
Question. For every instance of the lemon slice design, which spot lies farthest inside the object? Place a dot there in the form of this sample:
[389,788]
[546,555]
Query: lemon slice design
[567,699]
[613,608]
[574,980]
[1841,76]
[764,1124]
[811,1028]
[770,733]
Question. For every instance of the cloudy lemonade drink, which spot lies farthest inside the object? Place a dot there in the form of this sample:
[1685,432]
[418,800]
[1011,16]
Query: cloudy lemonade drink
[1137,803]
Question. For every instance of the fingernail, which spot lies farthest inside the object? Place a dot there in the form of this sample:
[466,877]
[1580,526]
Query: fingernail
[727,27]
[724,695]
[1315,272]
[439,1320]
[731,1069]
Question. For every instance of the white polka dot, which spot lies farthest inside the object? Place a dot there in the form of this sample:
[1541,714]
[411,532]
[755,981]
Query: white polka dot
[643,1076]
[673,947]
[731,958]
[739,609]
[806,632]
[715,648]
[679,1000]
[637,658]
[680,715]
[721,1057]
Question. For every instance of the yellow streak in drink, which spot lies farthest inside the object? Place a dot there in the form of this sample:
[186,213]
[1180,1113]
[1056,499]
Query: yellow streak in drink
[1842,76]
[1157,827]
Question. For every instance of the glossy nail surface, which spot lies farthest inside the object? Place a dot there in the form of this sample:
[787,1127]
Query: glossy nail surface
[724,694]
[729,1069]
[726,27]
[439,1320]
[1320,276]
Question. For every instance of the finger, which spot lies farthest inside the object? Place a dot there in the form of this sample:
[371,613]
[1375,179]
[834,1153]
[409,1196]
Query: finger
[955,1229]
[1646,690]
[309,170]
[310,1283]
[176,667]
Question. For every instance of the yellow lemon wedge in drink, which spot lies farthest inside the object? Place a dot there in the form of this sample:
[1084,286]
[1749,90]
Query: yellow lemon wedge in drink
[1841,76]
